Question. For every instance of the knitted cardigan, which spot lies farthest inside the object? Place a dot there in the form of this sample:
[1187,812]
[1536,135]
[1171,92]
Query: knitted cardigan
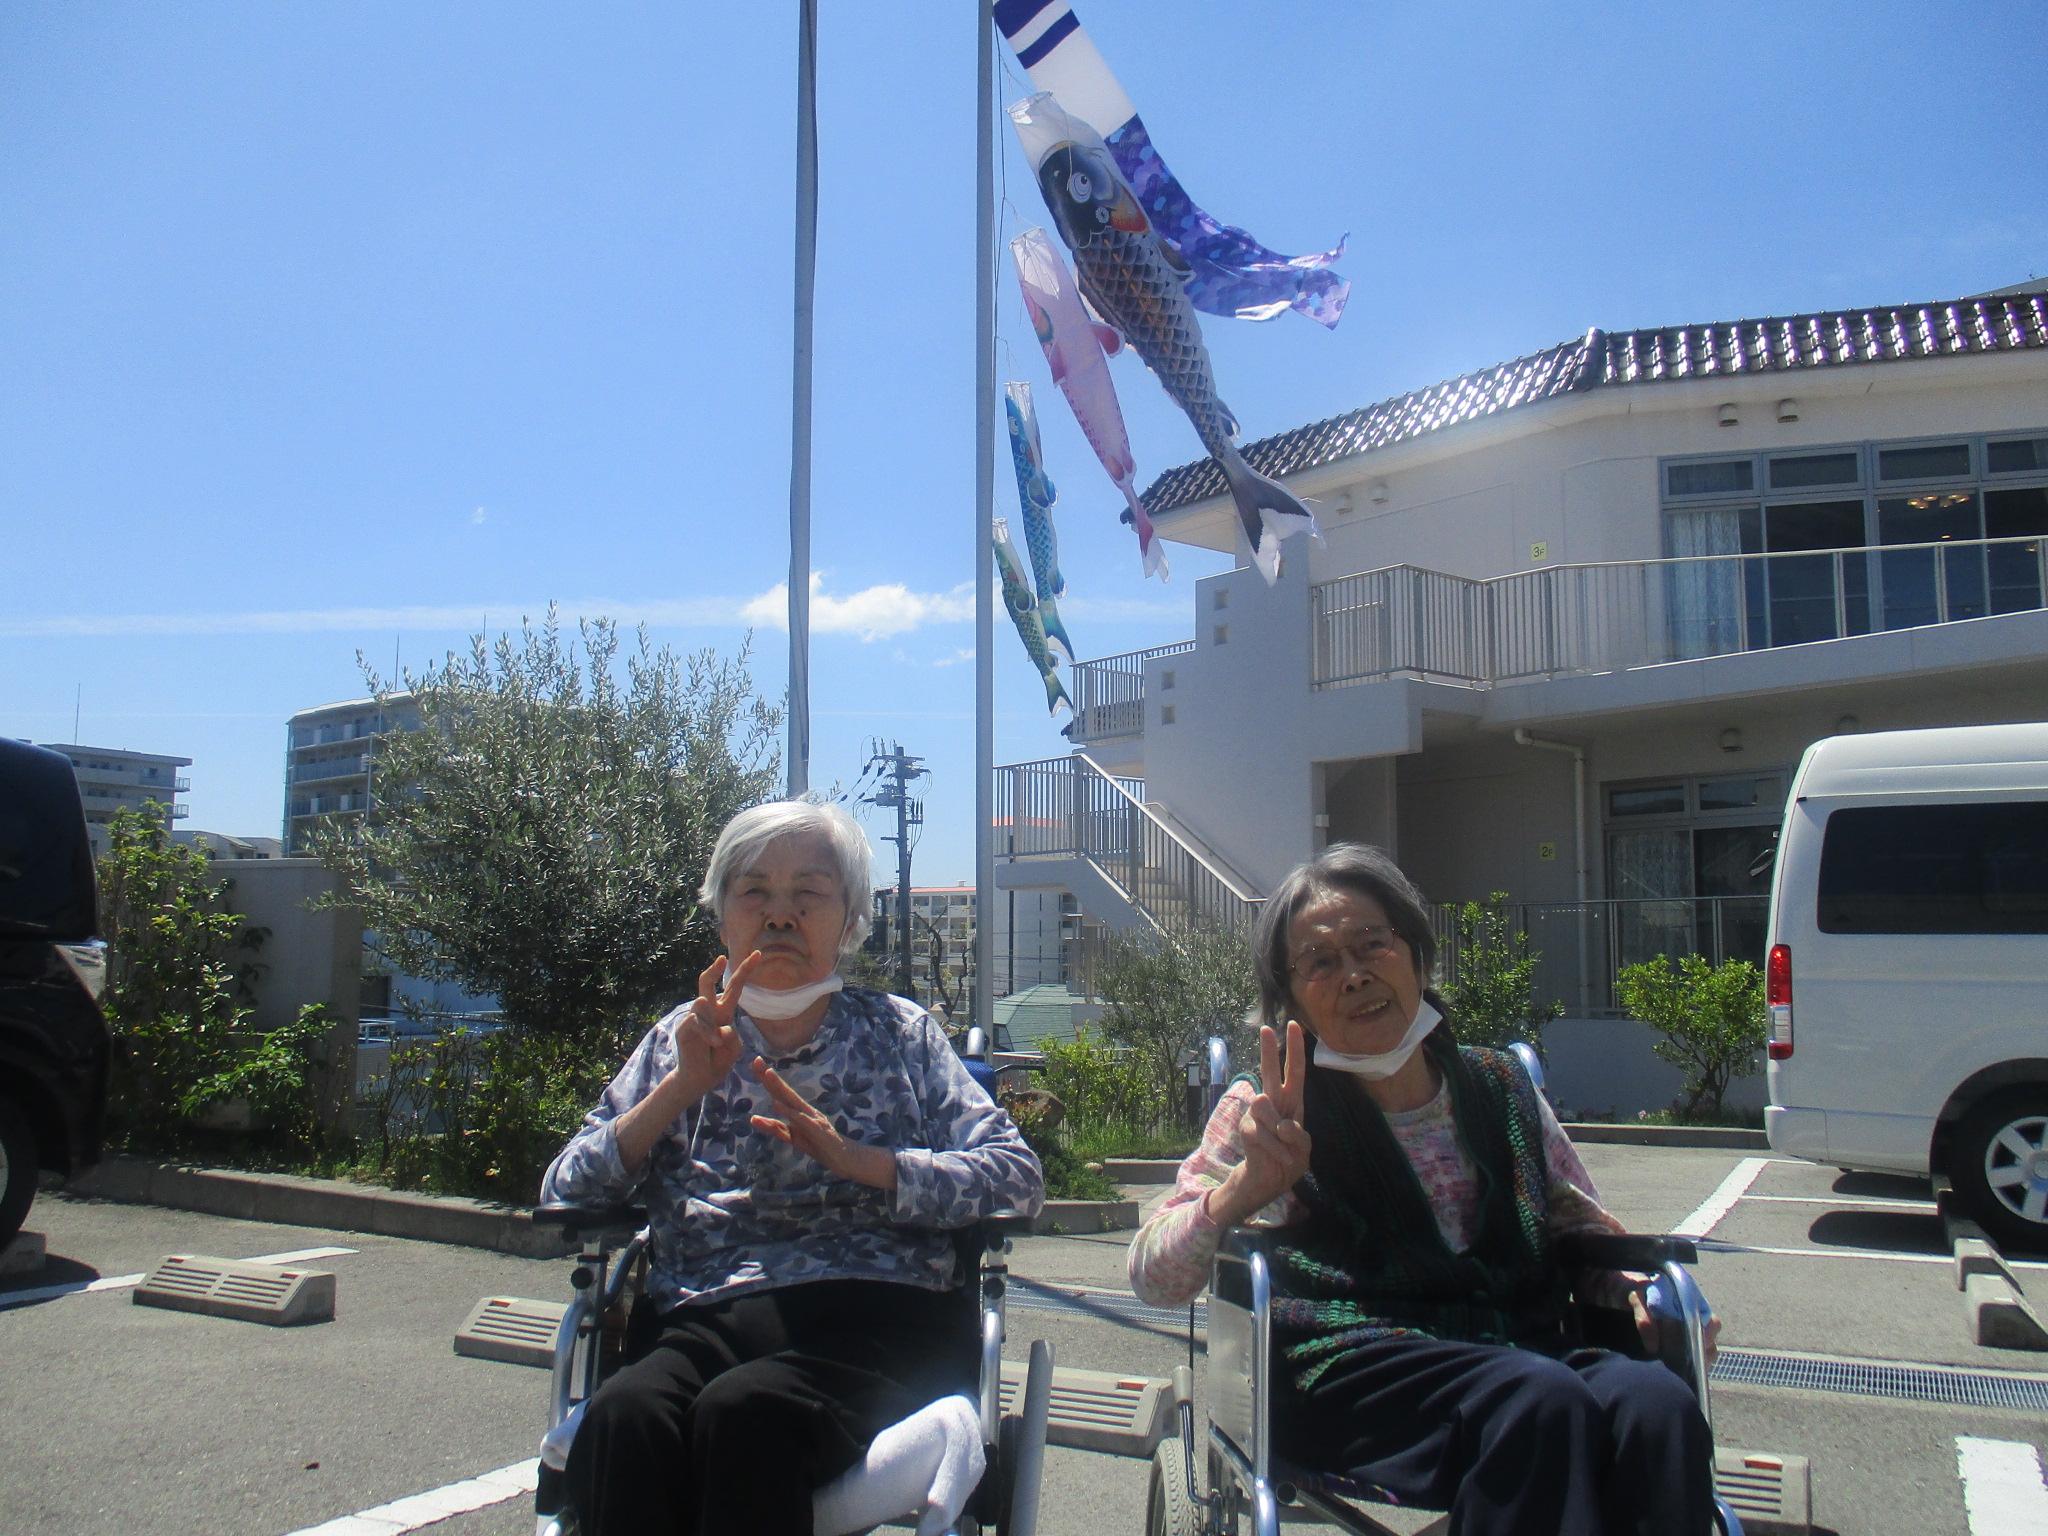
[1371,1262]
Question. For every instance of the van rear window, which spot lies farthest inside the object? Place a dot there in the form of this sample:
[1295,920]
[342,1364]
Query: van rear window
[1936,869]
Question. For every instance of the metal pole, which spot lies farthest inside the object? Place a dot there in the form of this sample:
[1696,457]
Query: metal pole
[904,963]
[799,764]
[984,512]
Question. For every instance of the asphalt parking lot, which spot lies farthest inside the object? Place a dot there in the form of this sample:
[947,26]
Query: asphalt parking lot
[118,1418]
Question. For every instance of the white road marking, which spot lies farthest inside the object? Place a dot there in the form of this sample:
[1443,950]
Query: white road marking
[1856,1253]
[435,1505]
[124,1282]
[1862,1202]
[2002,1488]
[1722,1200]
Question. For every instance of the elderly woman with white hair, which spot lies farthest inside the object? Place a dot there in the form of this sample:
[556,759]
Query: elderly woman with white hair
[801,1146]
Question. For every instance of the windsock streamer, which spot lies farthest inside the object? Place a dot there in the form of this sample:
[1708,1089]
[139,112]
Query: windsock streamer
[1134,282]
[1073,350]
[1229,271]
[1035,498]
[1024,614]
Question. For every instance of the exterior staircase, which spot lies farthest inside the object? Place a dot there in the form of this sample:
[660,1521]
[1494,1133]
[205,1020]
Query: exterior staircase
[1069,822]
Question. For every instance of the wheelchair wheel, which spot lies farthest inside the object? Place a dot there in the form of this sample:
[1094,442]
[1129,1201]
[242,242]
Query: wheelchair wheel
[1168,1509]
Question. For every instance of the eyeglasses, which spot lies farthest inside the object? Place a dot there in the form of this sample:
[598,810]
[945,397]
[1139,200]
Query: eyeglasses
[1321,963]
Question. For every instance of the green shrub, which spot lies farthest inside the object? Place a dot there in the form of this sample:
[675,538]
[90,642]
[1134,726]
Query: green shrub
[1067,1177]
[1711,1018]
[1492,996]
[277,1077]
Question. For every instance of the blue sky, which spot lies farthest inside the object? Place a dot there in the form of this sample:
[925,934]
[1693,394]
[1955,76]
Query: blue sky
[336,327]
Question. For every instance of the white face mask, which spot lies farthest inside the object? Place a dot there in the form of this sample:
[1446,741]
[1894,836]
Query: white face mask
[786,1002]
[1384,1063]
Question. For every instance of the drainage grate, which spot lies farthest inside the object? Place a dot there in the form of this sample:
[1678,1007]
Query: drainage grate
[239,1288]
[1870,1378]
[1953,1385]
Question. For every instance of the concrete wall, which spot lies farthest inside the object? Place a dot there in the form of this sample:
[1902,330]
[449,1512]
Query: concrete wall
[310,956]
[1609,1068]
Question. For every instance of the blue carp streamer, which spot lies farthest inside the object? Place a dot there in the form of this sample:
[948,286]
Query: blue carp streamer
[1230,271]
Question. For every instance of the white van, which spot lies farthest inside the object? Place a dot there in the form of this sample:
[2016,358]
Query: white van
[1908,964]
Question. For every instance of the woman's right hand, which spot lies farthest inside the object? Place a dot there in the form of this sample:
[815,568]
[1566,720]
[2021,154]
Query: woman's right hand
[1276,1145]
[707,1044]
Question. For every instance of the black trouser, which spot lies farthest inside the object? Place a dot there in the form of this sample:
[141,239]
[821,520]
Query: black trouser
[740,1409]
[1509,1440]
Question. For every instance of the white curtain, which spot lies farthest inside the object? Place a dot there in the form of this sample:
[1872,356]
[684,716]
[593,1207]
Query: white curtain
[1706,595]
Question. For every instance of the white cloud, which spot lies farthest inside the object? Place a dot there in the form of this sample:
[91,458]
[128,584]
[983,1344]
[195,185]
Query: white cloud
[873,613]
[478,517]
[956,658]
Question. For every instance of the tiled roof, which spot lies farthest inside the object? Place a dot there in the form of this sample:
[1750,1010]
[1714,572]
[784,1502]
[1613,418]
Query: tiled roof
[1724,349]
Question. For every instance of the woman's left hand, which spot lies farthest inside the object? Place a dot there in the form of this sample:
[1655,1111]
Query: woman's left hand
[817,1138]
[1647,1326]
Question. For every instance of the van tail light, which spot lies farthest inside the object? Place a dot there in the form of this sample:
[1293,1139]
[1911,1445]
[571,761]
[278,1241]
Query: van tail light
[1778,1001]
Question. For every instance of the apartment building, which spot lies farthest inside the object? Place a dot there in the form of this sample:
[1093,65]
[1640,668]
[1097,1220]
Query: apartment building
[114,779]
[1574,619]
[330,760]
[941,928]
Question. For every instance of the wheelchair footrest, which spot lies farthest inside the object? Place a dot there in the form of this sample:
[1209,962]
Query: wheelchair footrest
[1099,1410]
[1771,1492]
[514,1329]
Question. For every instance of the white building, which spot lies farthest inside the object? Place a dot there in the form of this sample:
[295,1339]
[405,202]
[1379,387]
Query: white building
[330,760]
[114,779]
[224,847]
[330,769]
[1575,619]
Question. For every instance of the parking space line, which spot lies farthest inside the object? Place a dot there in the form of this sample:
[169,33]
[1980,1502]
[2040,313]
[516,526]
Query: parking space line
[1848,1202]
[2002,1487]
[1722,1200]
[124,1282]
[435,1505]
[1718,1246]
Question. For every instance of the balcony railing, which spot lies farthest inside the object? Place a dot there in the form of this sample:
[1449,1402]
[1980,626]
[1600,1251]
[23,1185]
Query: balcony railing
[314,773]
[1070,807]
[1109,692]
[1582,944]
[1564,619]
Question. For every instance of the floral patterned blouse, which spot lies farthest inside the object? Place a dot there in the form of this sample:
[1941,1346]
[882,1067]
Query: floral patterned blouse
[733,1210]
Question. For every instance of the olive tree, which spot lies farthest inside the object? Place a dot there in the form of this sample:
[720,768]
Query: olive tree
[542,834]
[1711,1018]
[1164,994]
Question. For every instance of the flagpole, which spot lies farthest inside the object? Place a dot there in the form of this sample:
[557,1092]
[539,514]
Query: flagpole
[984,515]
[799,706]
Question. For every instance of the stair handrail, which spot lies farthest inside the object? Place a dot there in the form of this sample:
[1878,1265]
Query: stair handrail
[1237,884]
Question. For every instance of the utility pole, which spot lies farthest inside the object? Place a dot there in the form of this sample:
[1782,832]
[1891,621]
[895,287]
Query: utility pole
[894,791]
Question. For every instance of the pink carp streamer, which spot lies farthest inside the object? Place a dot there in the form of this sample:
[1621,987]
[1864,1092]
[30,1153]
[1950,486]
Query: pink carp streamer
[1074,348]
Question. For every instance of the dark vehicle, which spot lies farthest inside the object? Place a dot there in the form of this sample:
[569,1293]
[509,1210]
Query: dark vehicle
[54,1046]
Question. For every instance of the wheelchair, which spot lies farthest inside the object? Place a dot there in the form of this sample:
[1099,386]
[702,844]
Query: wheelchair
[610,1323]
[1249,1481]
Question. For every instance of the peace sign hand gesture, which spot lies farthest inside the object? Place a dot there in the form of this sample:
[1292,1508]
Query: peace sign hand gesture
[707,1044]
[1276,1146]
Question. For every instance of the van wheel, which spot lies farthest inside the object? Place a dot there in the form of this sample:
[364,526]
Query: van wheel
[18,1171]
[1999,1165]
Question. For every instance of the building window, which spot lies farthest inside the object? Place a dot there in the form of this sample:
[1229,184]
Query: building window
[1829,558]
[1688,865]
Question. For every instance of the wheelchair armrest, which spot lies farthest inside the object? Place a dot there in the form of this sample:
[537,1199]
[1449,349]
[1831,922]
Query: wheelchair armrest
[574,1219]
[1624,1250]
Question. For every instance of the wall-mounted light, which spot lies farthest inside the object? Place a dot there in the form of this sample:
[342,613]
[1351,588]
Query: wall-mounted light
[1848,725]
[1378,493]
[1788,410]
[1731,740]
[1726,413]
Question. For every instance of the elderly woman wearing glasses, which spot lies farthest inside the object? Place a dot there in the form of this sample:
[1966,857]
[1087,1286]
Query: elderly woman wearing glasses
[801,1146]
[1418,1188]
